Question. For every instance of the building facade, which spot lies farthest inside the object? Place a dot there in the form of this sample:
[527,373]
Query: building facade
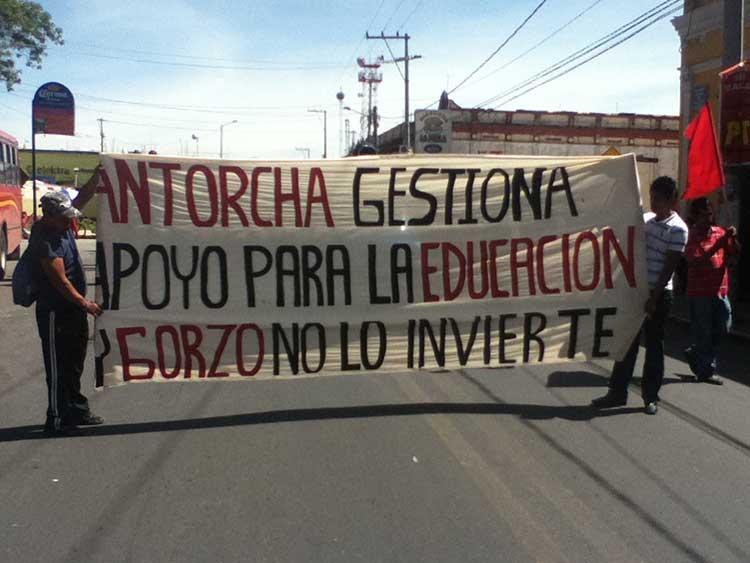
[710,41]
[654,139]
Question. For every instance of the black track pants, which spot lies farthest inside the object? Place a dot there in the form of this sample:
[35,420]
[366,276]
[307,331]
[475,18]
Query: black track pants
[64,335]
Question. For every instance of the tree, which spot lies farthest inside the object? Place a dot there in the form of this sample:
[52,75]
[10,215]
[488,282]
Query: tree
[25,30]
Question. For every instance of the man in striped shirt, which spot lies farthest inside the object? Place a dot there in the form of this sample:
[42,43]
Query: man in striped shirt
[708,251]
[666,236]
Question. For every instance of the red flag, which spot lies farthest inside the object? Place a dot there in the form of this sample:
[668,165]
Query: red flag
[705,171]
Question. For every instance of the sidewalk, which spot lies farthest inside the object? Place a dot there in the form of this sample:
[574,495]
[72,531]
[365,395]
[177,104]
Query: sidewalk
[740,315]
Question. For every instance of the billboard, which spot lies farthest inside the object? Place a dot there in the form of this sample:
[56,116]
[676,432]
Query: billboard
[433,131]
[53,110]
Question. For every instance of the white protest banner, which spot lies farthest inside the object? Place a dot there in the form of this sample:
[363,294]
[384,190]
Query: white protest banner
[214,269]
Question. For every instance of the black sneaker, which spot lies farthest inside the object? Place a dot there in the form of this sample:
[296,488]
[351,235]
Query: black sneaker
[88,419]
[610,400]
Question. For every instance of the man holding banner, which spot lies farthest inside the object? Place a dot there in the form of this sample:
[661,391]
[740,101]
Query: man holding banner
[61,308]
[666,236]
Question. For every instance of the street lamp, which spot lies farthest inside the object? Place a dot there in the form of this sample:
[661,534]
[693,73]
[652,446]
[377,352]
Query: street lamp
[221,136]
[325,129]
[195,138]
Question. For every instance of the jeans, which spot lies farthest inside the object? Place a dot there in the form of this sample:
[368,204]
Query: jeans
[710,319]
[653,365]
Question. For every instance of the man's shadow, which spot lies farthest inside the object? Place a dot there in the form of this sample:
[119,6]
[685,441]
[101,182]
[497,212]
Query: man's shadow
[562,379]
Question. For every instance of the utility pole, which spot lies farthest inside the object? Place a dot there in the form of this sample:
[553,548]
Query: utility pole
[405,75]
[101,134]
[375,126]
[325,129]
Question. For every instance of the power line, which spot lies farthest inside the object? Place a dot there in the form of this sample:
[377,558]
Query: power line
[393,13]
[588,48]
[190,108]
[193,57]
[362,40]
[585,50]
[191,122]
[16,110]
[393,57]
[157,126]
[658,18]
[609,48]
[253,116]
[567,24]
[209,66]
[503,44]
[416,7]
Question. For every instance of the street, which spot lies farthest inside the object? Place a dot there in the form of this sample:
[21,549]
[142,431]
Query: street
[481,465]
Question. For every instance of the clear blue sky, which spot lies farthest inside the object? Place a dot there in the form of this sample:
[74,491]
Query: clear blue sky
[297,54]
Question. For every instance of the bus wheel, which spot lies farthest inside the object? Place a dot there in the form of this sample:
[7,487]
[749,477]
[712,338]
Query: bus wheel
[3,254]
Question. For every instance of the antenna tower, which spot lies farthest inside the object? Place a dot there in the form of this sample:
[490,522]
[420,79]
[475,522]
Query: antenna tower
[370,77]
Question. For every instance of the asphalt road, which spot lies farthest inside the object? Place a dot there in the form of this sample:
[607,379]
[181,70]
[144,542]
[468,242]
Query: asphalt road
[486,465]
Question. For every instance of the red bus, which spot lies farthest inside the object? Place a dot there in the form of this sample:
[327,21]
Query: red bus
[10,201]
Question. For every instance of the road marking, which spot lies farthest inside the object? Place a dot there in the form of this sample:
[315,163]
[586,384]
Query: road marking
[607,542]
[524,527]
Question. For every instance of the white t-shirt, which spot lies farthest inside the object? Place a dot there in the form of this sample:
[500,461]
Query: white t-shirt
[661,236]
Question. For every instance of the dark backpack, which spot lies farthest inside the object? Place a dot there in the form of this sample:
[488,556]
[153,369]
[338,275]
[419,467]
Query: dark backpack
[25,286]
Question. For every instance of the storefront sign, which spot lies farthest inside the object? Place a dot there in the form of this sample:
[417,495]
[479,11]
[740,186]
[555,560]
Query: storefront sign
[735,114]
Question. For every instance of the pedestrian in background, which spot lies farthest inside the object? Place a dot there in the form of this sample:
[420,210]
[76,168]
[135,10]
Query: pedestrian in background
[666,236]
[708,252]
[61,308]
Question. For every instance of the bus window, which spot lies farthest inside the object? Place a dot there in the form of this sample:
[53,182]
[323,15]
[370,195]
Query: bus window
[3,165]
[16,166]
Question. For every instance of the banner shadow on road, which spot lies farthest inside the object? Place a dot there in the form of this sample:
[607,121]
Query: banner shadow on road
[524,411]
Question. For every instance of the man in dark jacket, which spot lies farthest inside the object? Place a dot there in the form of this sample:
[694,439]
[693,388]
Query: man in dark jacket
[62,307]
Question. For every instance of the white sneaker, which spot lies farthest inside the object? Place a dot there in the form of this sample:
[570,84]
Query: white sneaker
[651,408]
